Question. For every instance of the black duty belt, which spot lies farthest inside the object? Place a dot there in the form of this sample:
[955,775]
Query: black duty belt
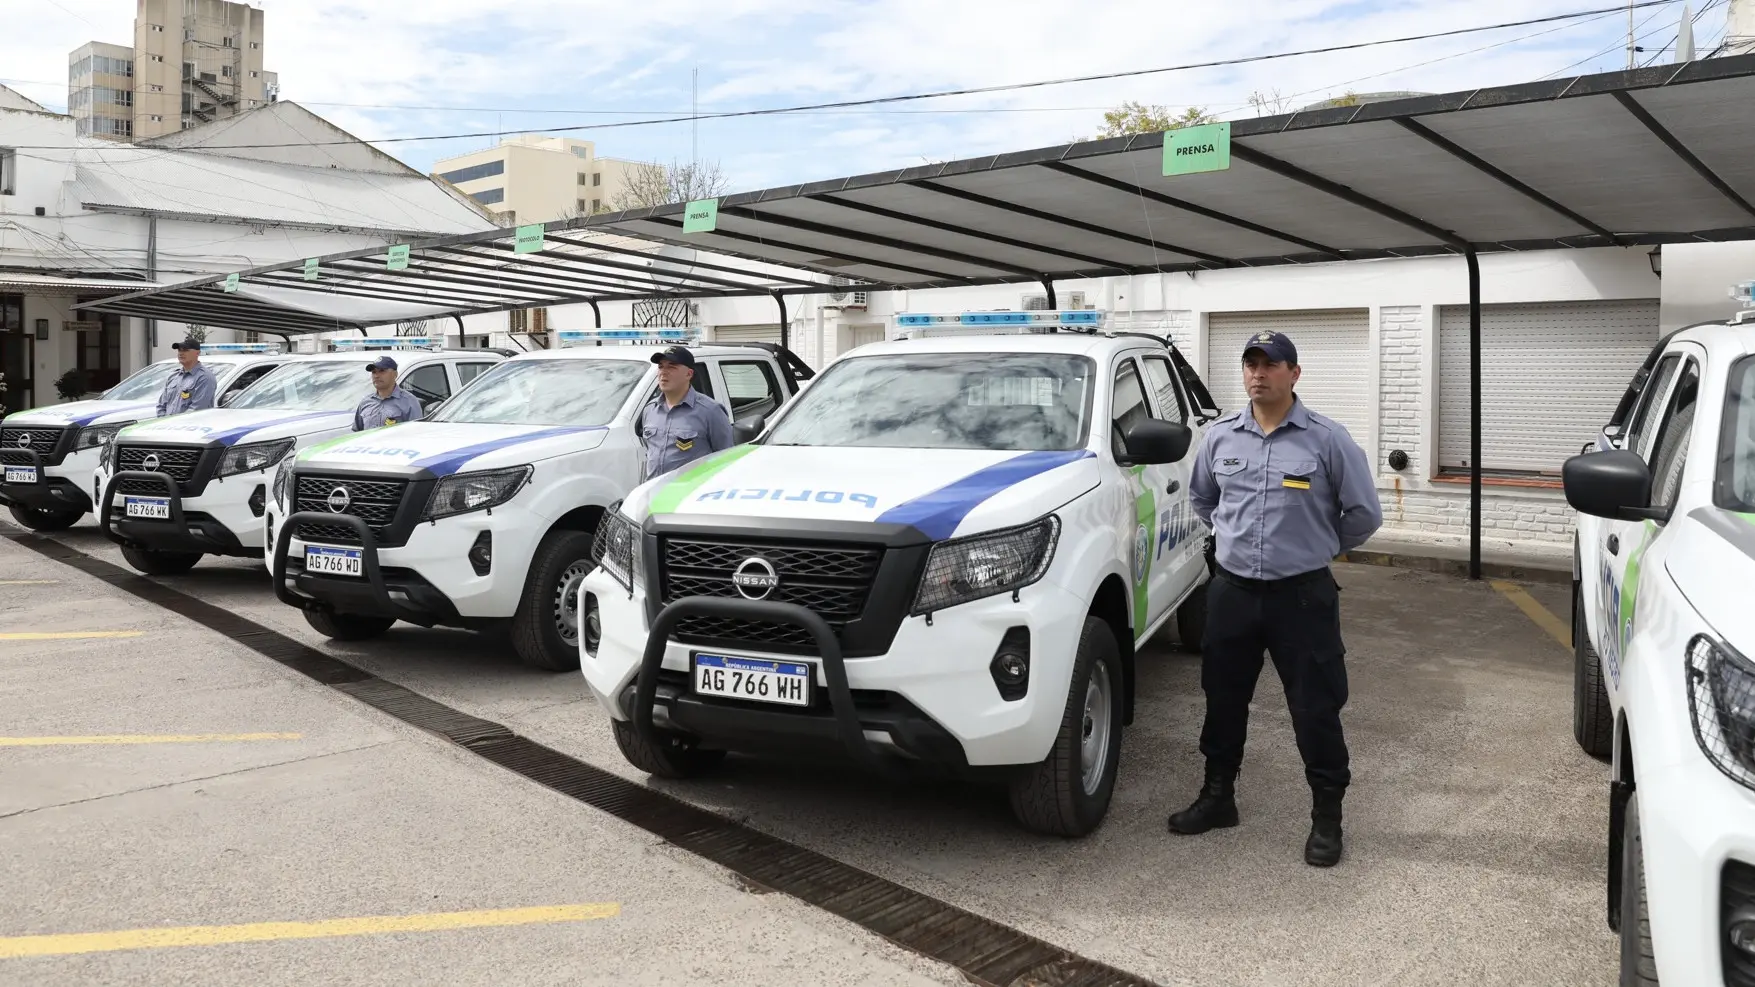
[1314,575]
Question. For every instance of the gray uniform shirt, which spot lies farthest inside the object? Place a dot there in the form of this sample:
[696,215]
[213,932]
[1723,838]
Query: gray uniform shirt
[374,411]
[1287,503]
[187,390]
[674,437]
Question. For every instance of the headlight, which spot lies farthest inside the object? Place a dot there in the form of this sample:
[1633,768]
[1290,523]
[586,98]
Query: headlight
[978,566]
[461,493]
[97,435]
[1721,697]
[283,481]
[618,546]
[255,456]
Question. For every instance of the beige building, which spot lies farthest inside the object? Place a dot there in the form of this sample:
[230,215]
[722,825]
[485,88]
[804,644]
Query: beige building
[193,62]
[532,178]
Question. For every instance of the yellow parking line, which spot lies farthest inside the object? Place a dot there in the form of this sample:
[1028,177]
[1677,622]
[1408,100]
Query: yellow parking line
[63,635]
[217,935]
[145,738]
[1544,619]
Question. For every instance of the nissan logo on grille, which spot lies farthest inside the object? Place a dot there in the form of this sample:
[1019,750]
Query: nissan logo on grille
[24,440]
[755,578]
[339,498]
[150,463]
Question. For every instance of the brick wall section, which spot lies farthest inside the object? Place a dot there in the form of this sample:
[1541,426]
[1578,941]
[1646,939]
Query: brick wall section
[1510,516]
[1180,323]
[1399,383]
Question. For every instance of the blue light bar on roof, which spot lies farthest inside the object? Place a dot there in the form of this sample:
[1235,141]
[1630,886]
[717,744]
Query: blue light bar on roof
[1072,318]
[1744,292]
[243,348]
[388,343]
[630,336]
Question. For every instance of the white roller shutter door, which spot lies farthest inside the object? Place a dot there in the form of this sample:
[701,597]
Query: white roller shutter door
[1551,375]
[1334,348]
[769,333]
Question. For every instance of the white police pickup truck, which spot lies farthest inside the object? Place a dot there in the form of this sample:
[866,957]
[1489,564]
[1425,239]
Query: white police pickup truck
[48,454]
[1663,635]
[196,484]
[482,516]
[947,550]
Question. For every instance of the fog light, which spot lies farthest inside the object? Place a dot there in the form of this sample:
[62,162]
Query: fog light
[258,500]
[1010,667]
[1740,929]
[481,554]
[270,541]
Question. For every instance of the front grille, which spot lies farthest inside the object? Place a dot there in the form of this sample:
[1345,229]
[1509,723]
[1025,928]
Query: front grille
[372,501]
[132,485]
[833,581]
[1737,891]
[41,440]
[176,462]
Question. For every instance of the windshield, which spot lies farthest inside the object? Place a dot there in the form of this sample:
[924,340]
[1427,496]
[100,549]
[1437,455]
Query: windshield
[327,386]
[546,392]
[1736,463]
[1009,401]
[146,383]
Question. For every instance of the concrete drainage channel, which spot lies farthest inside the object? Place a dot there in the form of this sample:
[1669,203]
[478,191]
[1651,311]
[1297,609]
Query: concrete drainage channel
[984,951]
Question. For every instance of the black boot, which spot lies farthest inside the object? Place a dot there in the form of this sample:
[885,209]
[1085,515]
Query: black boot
[1323,848]
[1214,808]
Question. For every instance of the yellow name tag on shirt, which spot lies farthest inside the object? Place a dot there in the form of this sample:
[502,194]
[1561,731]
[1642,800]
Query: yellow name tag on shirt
[685,446]
[389,421]
[1296,482]
[184,395]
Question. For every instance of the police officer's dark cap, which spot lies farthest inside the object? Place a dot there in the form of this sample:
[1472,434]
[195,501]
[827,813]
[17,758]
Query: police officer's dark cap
[675,354]
[188,344]
[382,363]
[1278,348]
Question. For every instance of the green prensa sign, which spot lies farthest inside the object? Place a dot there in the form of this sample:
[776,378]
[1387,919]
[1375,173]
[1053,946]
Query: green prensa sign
[701,216]
[1192,150]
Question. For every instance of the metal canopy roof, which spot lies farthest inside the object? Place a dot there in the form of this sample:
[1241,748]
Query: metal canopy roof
[1648,156]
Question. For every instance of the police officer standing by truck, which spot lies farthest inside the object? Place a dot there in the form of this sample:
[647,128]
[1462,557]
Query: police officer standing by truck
[1285,490]
[681,424]
[388,403]
[191,386]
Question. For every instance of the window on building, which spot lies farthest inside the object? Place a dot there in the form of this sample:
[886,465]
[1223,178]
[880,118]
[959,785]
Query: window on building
[156,28]
[225,71]
[255,44]
[473,172]
[581,178]
[8,171]
[579,152]
[155,58]
[488,197]
[596,178]
[596,204]
[255,75]
[581,205]
[156,89]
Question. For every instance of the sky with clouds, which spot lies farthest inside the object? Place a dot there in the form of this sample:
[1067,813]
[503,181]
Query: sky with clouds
[385,69]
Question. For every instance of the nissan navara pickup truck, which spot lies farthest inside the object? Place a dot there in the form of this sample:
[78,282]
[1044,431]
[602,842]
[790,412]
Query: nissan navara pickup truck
[948,551]
[48,454]
[482,516]
[1663,636]
[184,486]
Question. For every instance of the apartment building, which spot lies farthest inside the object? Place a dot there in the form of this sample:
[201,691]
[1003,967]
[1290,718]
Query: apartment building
[532,178]
[192,62]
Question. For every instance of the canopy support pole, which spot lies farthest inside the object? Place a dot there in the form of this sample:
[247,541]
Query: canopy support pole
[596,313]
[1474,263]
[785,323]
[1048,285]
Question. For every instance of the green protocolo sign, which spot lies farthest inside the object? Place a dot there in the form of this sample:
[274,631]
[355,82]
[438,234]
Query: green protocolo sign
[397,258]
[529,239]
[231,282]
[701,216]
[1193,150]
[311,266]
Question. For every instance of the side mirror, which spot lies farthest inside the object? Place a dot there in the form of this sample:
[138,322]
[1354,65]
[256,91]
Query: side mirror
[748,429]
[1615,484]
[1150,442]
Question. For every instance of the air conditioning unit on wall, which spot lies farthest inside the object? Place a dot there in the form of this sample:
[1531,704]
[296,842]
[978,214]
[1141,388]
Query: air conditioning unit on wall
[842,299]
[1038,302]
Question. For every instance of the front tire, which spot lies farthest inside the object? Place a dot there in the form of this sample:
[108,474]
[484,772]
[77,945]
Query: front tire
[1638,961]
[37,519]
[545,630]
[156,563]
[347,626]
[675,759]
[1592,720]
[1068,793]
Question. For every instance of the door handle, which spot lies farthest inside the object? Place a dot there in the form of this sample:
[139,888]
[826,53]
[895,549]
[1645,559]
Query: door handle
[1174,486]
[1614,544]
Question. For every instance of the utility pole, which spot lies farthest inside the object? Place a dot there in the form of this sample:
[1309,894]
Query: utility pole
[1630,35]
[694,120]
[1739,28]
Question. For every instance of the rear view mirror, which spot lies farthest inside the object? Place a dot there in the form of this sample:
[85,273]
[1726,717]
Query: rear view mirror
[748,429]
[1614,485]
[1151,442]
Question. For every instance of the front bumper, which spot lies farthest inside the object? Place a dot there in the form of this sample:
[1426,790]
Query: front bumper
[224,520]
[58,487]
[930,697]
[1698,833]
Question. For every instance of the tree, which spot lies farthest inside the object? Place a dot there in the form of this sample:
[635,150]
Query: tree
[1139,118]
[1268,105]
[651,184]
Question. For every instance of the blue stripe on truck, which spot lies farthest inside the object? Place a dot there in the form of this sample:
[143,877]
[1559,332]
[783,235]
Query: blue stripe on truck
[446,463]
[938,513]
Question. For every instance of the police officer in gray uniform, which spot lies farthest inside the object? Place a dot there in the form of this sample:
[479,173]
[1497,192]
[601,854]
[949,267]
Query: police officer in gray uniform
[1285,491]
[681,424]
[388,403]
[192,386]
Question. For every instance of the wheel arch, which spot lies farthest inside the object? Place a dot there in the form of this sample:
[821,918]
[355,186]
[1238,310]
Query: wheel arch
[1112,605]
